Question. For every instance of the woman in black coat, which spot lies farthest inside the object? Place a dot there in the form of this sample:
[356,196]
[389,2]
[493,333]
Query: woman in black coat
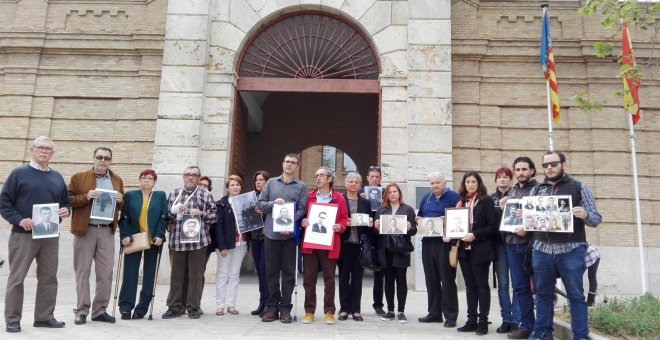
[350,269]
[395,264]
[476,251]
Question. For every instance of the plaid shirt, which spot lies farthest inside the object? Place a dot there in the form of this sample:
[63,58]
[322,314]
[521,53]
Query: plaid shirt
[202,200]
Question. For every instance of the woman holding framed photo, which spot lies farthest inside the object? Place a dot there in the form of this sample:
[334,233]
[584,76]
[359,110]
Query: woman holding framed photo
[144,210]
[231,247]
[395,263]
[350,269]
[476,250]
[259,180]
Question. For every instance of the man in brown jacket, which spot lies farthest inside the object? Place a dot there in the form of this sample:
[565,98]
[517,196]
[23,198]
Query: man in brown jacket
[94,236]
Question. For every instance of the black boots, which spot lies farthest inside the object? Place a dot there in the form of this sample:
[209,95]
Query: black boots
[482,326]
[470,326]
[259,311]
[591,299]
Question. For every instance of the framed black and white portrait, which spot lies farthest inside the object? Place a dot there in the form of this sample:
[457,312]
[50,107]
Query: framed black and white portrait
[103,207]
[191,229]
[319,233]
[509,220]
[245,212]
[375,196]
[393,224]
[283,217]
[46,220]
[552,214]
[359,220]
[457,222]
[430,227]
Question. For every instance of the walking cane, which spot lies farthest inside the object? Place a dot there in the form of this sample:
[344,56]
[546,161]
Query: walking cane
[118,275]
[153,291]
[295,281]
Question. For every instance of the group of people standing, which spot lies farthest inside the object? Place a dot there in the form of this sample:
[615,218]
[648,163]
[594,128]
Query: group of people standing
[276,253]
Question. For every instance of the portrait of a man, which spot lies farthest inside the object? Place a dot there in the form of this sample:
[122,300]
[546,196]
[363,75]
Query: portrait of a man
[457,225]
[375,197]
[319,226]
[551,207]
[46,227]
[393,228]
[530,223]
[530,204]
[510,217]
[540,204]
[430,226]
[543,224]
[283,217]
[103,207]
[191,229]
[563,206]
[359,219]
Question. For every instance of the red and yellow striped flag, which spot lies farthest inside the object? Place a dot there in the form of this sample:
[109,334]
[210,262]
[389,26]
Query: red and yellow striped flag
[630,85]
[547,60]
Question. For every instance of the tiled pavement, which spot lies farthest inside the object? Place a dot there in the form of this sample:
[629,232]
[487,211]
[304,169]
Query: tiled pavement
[243,326]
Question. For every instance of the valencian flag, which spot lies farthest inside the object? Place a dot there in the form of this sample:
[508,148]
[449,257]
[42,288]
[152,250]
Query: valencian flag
[630,85]
[547,60]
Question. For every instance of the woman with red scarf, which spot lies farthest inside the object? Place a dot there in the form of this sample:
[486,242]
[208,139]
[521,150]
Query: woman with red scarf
[477,251]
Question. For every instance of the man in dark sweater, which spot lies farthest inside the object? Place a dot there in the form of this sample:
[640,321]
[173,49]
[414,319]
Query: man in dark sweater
[439,275]
[27,185]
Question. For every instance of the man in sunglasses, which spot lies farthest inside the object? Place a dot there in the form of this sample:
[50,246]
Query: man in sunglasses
[94,238]
[562,253]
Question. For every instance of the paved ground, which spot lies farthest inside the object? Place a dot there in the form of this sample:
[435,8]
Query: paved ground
[242,326]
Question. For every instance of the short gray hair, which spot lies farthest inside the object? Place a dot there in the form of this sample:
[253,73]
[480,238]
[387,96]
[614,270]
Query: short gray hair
[353,175]
[437,174]
[43,139]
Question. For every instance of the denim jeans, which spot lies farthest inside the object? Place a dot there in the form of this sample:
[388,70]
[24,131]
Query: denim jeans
[508,305]
[520,282]
[570,267]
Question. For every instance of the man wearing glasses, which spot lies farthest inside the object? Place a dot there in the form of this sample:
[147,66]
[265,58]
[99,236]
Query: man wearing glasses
[188,260]
[562,253]
[94,239]
[35,183]
[280,248]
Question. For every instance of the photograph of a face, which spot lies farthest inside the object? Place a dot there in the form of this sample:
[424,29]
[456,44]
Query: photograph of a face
[321,219]
[430,227]
[550,214]
[46,220]
[103,207]
[509,220]
[245,212]
[283,217]
[393,224]
[457,222]
[358,220]
[191,228]
[375,196]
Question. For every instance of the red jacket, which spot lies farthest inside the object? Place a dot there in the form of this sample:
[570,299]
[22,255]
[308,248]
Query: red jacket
[342,219]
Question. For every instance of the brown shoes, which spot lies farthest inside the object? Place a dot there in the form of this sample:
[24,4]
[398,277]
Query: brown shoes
[285,317]
[269,316]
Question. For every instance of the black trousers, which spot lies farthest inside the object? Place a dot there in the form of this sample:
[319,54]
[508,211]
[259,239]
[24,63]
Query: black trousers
[129,281]
[350,278]
[396,275]
[591,275]
[280,259]
[379,277]
[259,257]
[440,281]
[477,290]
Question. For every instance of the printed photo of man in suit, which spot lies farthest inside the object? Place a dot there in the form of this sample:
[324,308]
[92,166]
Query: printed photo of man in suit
[46,226]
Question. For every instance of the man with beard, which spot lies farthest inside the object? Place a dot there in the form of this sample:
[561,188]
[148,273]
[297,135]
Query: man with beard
[188,259]
[562,254]
[516,248]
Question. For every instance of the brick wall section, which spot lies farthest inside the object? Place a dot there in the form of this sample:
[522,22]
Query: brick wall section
[497,82]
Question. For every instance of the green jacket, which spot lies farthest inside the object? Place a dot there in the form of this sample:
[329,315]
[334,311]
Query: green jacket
[157,214]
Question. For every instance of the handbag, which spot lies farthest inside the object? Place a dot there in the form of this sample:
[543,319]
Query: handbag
[453,255]
[368,254]
[140,243]
[399,244]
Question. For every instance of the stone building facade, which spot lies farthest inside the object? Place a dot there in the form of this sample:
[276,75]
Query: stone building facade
[458,87]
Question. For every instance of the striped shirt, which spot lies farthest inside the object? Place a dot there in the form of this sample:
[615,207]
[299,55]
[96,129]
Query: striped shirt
[199,199]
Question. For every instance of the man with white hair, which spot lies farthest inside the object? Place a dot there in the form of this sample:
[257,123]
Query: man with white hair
[440,276]
[27,185]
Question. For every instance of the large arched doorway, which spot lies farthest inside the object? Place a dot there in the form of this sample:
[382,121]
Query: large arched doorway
[306,79]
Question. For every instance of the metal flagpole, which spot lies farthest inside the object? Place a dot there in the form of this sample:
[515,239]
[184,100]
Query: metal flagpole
[551,144]
[642,262]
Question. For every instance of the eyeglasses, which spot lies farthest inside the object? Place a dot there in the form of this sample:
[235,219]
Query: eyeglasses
[103,158]
[191,175]
[43,148]
[550,164]
[374,168]
[148,179]
[291,162]
[319,175]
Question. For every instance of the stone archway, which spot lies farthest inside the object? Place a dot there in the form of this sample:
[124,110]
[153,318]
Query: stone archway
[309,78]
